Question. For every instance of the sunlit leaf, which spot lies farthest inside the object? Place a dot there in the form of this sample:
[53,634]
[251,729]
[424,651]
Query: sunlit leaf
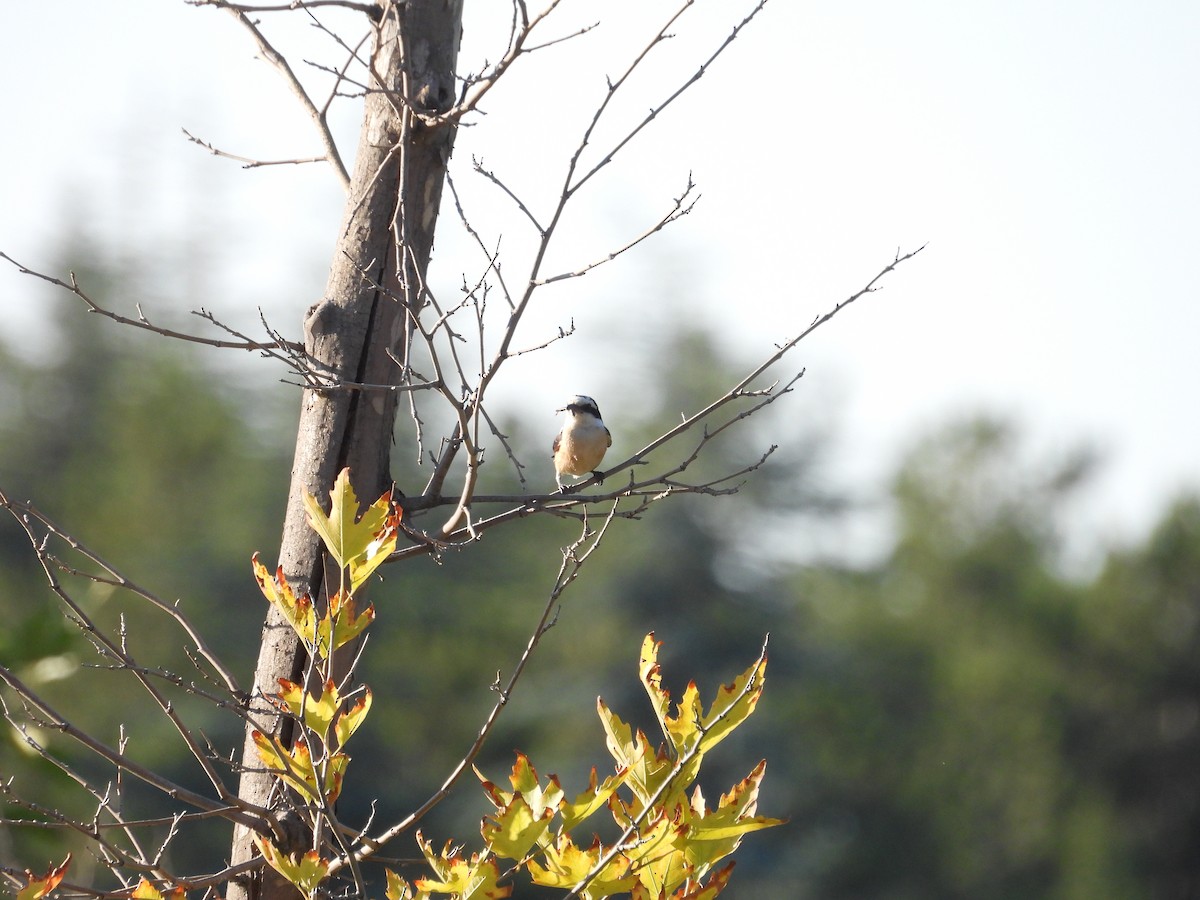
[146,891]
[296,767]
[567,865]
[397,887]
[513,830]
[693,890]
[305,871]
[350,718]
[357,544]
[316,712]
[645,770]
[714,835]
[347,622]
[690,725]
[469,879]
[590,800]
[656,855]
[38,886]
[298,611]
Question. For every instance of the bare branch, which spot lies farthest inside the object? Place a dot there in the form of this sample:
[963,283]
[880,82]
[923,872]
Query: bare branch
[247,162]
[25,513]
[276,59]
[654,487]
[236,811]
[371,9]
[684,204]
[476,89]
[656,110]
[142,322]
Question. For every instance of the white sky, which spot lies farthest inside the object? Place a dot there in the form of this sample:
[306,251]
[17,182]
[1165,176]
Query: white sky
[1046,152]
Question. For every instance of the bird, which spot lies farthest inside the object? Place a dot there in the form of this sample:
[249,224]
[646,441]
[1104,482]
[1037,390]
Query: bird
[579,447]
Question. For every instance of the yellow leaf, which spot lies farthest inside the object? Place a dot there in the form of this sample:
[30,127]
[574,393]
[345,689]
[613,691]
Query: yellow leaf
[513,831]
[468,879]
[347,622]
[296,767]
[38,886]
[567,865]
[644,770]
[397,887]
[524,814]
[693,890]
[656,853]
[691,726]
[305,871]
[359,544]
[315,712]
[298,611]
[349,720]
[714,835]
[590,800]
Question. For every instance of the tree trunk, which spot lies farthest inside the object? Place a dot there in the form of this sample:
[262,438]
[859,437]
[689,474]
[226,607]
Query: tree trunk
[356,331]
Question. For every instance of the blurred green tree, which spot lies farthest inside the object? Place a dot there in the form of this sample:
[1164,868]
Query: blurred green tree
[971,722]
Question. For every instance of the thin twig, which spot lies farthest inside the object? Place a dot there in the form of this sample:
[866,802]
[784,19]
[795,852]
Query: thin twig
[141,321]
[247,162]
[276,59]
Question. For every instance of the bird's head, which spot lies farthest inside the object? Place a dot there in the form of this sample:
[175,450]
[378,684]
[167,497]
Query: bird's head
[581,404]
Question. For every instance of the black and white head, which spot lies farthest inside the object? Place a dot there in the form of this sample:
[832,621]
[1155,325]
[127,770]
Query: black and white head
[582,405]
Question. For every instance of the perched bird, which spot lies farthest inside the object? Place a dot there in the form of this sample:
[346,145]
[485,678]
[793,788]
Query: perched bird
[580,446]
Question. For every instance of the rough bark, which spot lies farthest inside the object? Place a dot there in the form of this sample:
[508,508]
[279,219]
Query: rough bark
[355,330]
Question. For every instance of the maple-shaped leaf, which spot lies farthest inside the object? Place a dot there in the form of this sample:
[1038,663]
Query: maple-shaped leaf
[305,871]
[297,768]
[514,829]
[298,611]
[645,770]
[567,866]
[358,544]
[690,891]
[397,887]
[590,800]
[468,879]
[38,886]
[343,623]
[691,727]
[523,814]
[656,852]
[714,835]
[350,718]
[316,712]
[524,779]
